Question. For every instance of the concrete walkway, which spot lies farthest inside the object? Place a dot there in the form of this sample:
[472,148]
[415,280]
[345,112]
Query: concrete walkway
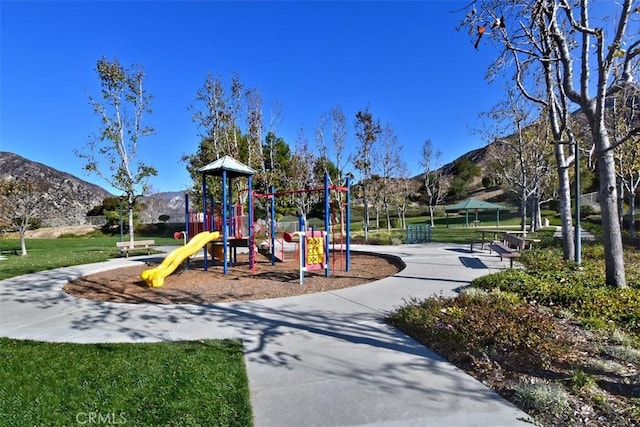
[324,359]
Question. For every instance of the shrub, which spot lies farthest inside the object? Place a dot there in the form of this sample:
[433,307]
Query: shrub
[542,397]
[515,281]
[470,325]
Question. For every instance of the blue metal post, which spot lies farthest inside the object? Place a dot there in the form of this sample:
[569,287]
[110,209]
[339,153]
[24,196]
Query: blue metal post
[204,217]
[577,234]
[211,223]
[232,224]
[225,232]
[272,226]
[186,216]
[250,222]
[326,223]
[348,219]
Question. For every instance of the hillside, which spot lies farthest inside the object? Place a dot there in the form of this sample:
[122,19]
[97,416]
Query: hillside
[68,199]
[482,157]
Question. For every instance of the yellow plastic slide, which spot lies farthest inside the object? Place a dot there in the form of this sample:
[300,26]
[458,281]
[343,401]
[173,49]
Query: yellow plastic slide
[155,276]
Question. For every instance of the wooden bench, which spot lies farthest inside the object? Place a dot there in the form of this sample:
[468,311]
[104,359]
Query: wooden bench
[515,242]
[128,246]
[504,251]
[510,247]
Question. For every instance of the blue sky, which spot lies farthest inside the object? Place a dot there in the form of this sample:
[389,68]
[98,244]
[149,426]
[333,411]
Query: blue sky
[403,59]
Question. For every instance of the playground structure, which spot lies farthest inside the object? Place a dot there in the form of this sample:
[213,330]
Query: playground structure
[237,229]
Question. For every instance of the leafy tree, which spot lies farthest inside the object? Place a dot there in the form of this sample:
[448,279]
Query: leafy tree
[367,131]
[110,209]
[464,171]
[219,111]
[279,154]
[20,199]
[121,110]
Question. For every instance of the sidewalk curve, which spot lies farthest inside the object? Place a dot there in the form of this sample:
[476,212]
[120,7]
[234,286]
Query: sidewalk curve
[324,359]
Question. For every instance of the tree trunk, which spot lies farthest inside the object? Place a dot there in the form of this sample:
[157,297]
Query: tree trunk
[388,217]
[523,210]
[23,243]
[613,250]
[431,209]
[536,217]
[568,241]
[365,220]
[621,202]
[130,212]
[632,215]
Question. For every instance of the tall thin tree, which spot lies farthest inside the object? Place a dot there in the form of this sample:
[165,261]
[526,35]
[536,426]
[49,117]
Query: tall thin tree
[111,153]
[368,130]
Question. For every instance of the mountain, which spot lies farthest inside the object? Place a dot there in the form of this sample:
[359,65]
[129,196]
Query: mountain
[167,203]
[68,198]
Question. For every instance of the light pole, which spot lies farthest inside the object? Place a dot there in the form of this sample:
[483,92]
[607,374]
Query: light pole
[578,232]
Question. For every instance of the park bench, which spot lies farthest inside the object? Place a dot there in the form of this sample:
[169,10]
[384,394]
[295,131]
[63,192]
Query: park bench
[509,247]
[128,246]
[515,242]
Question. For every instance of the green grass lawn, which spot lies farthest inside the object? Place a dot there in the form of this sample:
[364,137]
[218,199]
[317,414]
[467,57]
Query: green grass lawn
[46,254]
[199,383]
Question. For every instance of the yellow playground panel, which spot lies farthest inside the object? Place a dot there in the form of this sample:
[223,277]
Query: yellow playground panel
[312,251]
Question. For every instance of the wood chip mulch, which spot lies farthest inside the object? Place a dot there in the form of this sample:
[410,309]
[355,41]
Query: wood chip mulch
[196,286]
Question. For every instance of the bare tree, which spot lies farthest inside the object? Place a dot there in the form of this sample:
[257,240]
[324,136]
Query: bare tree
[20,199]
[559,43]
[524,158]
[432,177]
[367,131]
[338,122]
[406,189]
[220,112]
[388,166]
[301,177]
[275,118]
[123,105]
[625,116]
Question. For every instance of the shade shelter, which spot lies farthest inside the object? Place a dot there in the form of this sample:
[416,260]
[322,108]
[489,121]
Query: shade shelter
[227,168]
[475,205]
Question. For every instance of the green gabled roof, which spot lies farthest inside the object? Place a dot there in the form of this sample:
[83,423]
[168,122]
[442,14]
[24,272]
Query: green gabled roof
[472,203]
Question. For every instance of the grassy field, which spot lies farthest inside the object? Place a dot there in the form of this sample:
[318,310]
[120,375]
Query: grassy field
[46,254]
[199,383]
